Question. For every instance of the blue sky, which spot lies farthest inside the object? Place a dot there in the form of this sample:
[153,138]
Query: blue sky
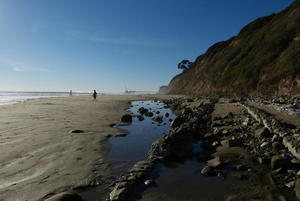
[58,45]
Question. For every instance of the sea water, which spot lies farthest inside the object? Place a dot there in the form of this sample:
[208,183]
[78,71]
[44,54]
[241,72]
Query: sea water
[11,97]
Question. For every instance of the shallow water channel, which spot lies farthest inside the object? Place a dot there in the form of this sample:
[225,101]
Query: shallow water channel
[173,181]
[135,146]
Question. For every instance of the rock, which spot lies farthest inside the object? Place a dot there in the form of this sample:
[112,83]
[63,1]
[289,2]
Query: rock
[225,132]
[158,119]
[76,131]
[149,114]
[260,160]
[230,143]
[262,133]
[118,193]
[232,198]
[167,114]
[297,188]
[277,146]
[149,182]
[121,135]
[65,196]
[264,144]
[142,110]
[291,184]
[112,125]
[140,118]
[246,122]
[241,167]
[280,162]
[215,162]
[229,115]
[274,138]
[126,118]
[176,122]
[206,170]
[157,112]
[215,143]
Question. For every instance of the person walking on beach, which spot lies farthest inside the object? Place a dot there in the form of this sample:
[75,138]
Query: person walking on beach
[71,93]
[95,95]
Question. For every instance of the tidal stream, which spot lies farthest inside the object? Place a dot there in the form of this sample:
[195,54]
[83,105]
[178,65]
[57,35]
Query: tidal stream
[173,181]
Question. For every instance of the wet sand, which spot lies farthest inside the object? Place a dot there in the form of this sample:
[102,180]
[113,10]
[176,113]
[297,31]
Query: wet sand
[39,154]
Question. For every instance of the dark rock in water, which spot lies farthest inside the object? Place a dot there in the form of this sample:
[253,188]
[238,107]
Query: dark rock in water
[121,135]
[167,114]
[143,110]
[126,118]
[149,114]
[76,131]
[157,112]
[112,125]
[206,170]
[158,119]
[170,120]
[262,133]
[280,162]
[65,196]
[140,118]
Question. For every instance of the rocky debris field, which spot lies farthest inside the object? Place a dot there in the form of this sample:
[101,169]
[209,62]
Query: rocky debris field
[235,136]
[291,105]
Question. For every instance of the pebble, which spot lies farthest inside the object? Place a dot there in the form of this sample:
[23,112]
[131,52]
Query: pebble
[290,184]
[149,182]
[206,170]
[264,144]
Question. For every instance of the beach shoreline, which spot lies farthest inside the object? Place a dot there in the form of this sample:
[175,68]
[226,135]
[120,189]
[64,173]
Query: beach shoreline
[41,155]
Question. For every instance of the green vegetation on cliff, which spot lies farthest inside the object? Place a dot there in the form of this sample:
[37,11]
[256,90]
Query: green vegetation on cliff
[263,58]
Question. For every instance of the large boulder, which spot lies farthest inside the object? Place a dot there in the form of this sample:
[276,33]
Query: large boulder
[126,118]
[65,196]
[280,162]
[177,122]
[262,133]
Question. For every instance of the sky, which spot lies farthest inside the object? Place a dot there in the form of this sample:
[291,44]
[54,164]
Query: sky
[111,45]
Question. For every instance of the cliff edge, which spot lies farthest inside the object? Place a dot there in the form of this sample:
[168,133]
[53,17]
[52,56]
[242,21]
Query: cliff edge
[264,58]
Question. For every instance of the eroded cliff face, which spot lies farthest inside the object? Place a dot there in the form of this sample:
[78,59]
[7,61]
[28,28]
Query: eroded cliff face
[264,58]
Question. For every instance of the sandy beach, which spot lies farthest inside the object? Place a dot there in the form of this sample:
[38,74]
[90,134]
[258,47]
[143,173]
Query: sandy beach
[39,154]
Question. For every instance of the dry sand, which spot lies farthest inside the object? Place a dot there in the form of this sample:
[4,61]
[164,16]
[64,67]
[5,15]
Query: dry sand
[39,155]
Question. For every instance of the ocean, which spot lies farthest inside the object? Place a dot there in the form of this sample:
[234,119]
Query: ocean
[11,97]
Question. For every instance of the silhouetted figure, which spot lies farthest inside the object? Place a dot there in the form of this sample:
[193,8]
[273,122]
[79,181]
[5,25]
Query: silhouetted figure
[95,95]
[71,93]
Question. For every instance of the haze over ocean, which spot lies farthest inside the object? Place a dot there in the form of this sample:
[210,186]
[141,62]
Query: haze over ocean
[107,45]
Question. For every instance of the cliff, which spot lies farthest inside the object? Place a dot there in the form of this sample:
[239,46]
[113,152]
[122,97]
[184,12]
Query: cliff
[264,58]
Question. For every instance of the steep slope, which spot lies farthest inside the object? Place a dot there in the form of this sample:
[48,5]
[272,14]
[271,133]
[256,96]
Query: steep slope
[263,58]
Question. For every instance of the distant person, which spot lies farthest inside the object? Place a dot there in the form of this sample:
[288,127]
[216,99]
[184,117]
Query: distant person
[71,93]
[95,95]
